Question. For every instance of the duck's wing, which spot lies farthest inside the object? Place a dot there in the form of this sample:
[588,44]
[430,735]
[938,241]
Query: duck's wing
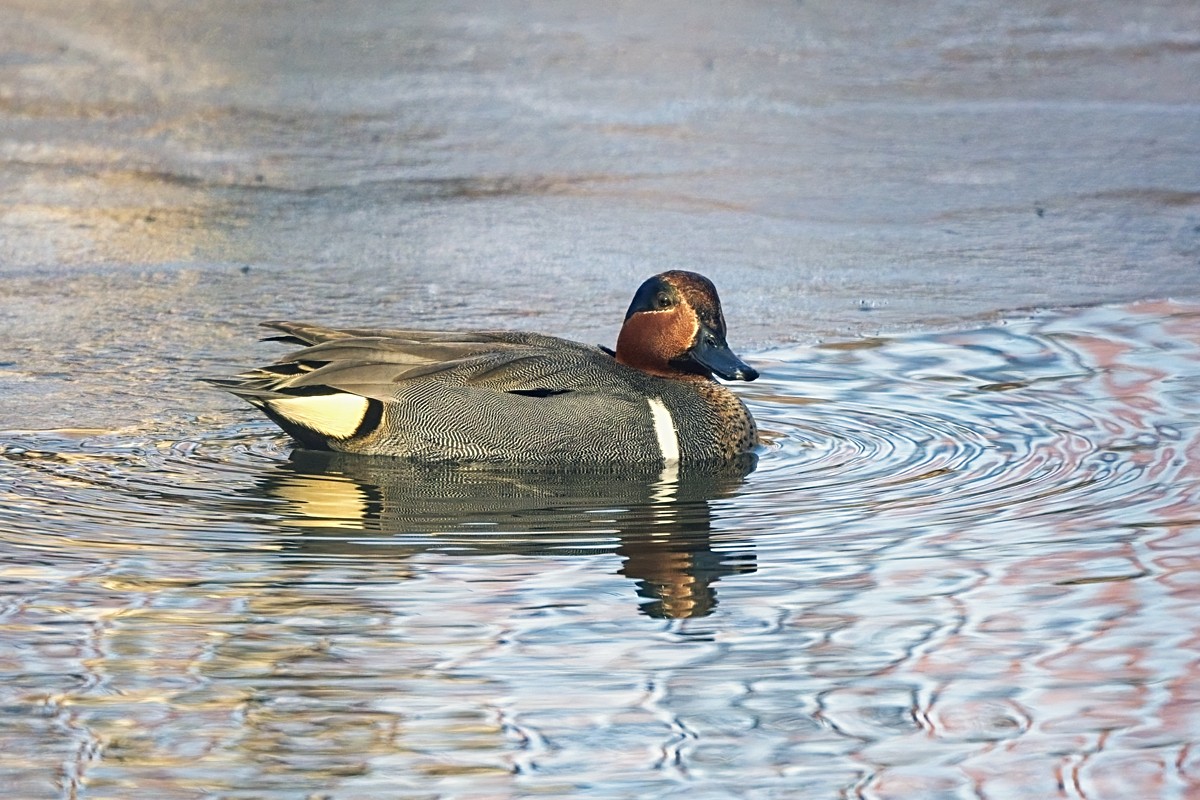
[371,362]
[306,334]
[335,384]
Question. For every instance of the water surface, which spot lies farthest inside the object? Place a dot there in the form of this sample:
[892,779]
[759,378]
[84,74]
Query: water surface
[966,563]
[965,566]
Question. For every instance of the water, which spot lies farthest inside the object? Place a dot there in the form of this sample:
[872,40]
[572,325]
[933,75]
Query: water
[965,566]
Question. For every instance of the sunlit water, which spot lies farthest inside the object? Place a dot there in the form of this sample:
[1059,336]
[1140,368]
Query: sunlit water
[967,565]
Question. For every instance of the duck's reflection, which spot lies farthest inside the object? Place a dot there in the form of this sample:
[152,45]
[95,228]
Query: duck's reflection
[660,524]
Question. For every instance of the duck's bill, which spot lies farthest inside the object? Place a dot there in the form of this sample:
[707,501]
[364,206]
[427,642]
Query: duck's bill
[711,353]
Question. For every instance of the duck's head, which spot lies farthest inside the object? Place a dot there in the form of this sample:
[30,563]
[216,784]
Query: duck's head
[674,328]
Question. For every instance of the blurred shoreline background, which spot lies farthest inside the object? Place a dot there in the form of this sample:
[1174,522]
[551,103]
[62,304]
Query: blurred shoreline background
[173,172]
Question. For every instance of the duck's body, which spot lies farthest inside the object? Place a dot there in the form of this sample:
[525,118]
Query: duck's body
[502,396]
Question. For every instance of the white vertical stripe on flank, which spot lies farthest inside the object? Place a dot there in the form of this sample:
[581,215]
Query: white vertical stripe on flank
[668,443]
[664,430]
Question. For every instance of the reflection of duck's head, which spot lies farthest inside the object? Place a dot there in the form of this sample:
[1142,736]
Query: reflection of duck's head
[663,529]
[676,574]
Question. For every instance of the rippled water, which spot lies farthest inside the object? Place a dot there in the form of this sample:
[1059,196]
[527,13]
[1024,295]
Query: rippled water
[966,565]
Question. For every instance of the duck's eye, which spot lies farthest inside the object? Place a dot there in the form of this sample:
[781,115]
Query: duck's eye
[664,301]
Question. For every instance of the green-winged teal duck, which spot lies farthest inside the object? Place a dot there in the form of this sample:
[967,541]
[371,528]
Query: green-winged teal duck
[506,396]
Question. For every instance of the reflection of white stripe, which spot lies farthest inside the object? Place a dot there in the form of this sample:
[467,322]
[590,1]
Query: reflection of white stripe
[664,431]
[663,492]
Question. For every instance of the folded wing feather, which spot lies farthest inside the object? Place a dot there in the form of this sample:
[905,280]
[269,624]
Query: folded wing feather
[327,386]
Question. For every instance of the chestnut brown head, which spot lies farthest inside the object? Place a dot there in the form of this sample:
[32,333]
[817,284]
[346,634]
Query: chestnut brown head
[674,328]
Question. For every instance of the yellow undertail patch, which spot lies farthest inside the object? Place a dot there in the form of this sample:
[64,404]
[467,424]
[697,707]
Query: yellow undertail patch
[337,415]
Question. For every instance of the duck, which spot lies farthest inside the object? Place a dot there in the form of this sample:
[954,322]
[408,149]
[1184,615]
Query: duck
[514,397]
